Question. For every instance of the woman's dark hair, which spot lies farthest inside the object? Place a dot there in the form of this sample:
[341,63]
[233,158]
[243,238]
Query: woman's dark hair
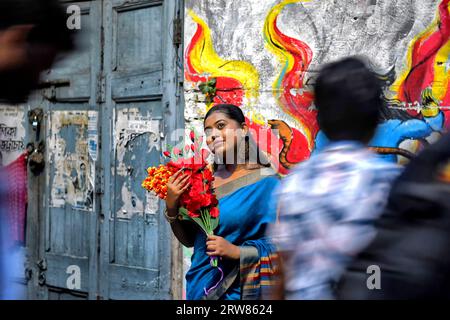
[348,100]
[230,110]
[252,150]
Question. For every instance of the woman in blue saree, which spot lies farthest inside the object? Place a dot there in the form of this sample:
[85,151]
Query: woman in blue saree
[244,188]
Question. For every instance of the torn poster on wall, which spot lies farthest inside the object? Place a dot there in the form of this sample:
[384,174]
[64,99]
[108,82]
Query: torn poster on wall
[12,134]
[72,170]
[136,138]
[93,134]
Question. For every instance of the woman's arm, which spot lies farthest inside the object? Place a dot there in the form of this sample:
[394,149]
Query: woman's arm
[183,230]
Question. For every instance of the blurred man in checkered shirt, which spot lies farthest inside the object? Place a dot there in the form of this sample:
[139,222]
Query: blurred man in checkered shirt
[328,204]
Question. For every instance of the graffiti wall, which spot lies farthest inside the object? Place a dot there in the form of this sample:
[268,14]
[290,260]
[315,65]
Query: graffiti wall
[263,55]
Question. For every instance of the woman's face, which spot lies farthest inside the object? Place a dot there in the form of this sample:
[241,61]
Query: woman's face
[223,134]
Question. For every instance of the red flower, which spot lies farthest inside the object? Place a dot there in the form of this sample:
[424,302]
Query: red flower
[193,214]
[197,197]
[214,201]
[208,176]
[214,212]
[192,135]
[194,164]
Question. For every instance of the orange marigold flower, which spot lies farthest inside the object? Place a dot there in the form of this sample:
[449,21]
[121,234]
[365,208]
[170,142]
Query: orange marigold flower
[157,180]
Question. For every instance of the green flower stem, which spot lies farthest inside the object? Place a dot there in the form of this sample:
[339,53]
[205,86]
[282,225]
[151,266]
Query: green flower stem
[206,221]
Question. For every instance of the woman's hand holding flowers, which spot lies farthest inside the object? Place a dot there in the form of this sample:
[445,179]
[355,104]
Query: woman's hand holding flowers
[218,246]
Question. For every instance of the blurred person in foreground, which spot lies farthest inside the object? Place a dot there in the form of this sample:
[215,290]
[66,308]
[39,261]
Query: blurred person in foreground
[329,203]
[33,33]
[410,251]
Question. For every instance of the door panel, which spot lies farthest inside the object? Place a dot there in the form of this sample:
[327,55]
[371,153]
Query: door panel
[70,206]
[143,49]
[137,243]
[73,76]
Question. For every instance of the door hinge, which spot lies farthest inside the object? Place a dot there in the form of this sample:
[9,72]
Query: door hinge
[100,182]
[177,31]
[42,265]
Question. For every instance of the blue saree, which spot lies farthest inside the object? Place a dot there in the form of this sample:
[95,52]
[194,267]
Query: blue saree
[246,208]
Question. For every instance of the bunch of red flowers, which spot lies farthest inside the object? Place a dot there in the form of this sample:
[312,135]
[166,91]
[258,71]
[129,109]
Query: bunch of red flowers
[200,194]
[199,200]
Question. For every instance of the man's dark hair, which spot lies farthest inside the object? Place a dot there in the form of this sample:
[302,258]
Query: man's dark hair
[48,17]
[349,100]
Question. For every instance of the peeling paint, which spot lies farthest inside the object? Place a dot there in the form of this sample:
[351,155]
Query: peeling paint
[135,136]
[152,205]
[72,173]
[130,124]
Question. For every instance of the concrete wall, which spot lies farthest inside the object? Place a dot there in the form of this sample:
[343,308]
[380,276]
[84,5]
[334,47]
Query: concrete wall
[264,54]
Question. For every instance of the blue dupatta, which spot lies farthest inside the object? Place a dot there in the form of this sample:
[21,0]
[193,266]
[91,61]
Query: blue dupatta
[246,208]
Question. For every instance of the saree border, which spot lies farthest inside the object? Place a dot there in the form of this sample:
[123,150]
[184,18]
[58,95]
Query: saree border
[251,178]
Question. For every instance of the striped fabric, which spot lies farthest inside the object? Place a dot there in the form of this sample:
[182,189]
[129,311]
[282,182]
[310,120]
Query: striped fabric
[258,268]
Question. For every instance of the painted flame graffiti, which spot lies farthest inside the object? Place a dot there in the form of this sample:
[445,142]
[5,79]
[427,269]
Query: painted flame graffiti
[425,80]
[295,57]
[237,78]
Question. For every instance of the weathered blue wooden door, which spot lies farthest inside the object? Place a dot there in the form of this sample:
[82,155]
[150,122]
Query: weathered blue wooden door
[140,88]
[107,112]
[65,265]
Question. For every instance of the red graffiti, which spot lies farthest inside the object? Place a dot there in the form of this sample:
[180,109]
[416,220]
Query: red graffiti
[423,60]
